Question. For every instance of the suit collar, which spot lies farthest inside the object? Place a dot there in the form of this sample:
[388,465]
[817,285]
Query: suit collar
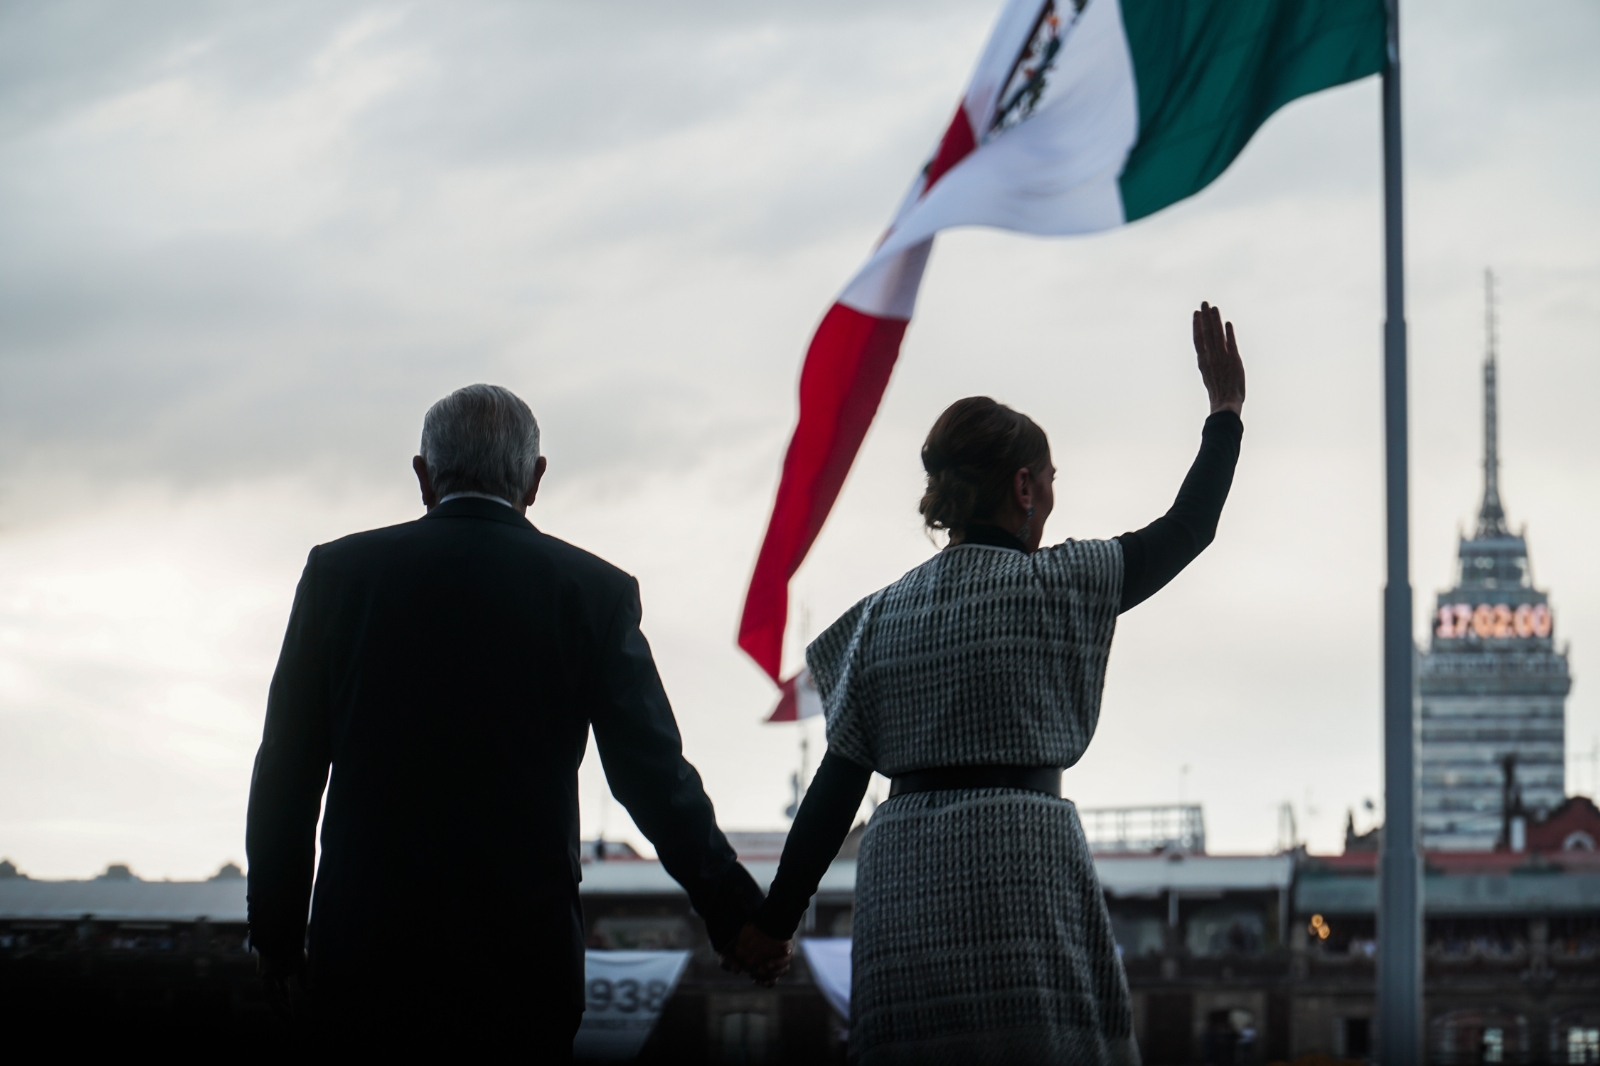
[477,507]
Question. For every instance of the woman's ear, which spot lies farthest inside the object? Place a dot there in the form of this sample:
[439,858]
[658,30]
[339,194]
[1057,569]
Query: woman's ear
[1022,489]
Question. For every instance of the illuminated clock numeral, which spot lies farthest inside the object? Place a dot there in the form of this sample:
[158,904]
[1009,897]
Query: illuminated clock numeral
[1493,621]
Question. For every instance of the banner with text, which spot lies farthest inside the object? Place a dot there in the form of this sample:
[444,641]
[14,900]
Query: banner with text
[624,994]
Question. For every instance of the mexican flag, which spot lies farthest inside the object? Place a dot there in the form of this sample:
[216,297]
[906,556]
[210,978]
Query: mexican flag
[1081,115]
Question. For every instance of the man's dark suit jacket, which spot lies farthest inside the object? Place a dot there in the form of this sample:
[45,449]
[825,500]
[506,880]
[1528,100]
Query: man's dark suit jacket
[449,670]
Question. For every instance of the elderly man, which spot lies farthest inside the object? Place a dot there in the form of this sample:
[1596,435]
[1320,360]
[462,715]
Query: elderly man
[449,670]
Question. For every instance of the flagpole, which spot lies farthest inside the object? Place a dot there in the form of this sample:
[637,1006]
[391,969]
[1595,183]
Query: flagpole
[1399,860]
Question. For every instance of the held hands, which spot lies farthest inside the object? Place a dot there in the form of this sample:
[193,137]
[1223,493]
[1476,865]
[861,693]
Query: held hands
[1220,366]
[282,981]
[758,955]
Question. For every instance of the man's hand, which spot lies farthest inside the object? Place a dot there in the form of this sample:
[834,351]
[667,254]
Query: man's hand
[282,980]
[759,955]
[1220,366]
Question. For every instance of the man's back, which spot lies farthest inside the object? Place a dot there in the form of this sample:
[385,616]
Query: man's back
[448,670]
[460,655]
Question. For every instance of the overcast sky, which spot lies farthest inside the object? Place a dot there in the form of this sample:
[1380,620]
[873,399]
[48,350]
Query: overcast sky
[243,247]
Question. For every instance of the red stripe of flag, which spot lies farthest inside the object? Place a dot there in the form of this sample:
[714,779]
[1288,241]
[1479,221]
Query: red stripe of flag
[957,143]
[788,708]
[846,370]
[841,384]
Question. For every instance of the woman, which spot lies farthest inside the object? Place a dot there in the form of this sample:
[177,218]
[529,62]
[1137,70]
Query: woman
[981,933]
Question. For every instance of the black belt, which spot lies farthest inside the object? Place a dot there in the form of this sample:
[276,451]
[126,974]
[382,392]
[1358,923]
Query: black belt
[1045,779]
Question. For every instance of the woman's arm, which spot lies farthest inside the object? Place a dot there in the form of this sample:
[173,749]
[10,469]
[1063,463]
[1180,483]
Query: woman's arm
[820,826]
[1155,554]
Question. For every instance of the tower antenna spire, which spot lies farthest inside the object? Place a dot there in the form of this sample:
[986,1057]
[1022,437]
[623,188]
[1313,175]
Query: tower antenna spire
[1491,516]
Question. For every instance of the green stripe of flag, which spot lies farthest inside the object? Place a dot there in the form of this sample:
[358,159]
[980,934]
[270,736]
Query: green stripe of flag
[1210,72]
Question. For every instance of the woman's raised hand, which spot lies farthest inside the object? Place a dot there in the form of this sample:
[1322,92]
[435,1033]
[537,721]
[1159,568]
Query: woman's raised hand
[1220,366]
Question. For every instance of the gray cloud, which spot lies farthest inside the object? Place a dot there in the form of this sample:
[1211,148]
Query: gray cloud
[257,229]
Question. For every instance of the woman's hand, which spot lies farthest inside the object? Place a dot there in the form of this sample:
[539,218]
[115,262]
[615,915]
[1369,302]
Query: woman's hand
[1220,366]
[757,954]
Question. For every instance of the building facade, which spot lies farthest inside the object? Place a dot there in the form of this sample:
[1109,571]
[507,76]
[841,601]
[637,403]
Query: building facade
[1492,684]
[1241,959]
[1231,959]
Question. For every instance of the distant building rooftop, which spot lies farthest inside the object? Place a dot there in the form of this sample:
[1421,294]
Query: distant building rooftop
[1143,830]
[757,845]
[1458,883]
[119,900]
[1464,895]
[1122,875]
[606,851]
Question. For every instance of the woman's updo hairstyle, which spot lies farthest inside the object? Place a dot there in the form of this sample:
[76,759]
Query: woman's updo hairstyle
[971,454]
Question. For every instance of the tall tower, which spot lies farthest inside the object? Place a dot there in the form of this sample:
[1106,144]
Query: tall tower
[1493,686]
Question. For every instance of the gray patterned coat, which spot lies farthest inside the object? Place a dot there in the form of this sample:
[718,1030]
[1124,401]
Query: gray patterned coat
[981,934]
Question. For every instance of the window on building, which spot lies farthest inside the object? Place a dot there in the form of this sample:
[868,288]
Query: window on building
[1478,1036]
[1575,1038]
[1574,939]
[642,933]
[1339,935]
[1490,939]
[1230,1037]
[1355,1038]
[1225,929]
[1138,935]
[744,1037]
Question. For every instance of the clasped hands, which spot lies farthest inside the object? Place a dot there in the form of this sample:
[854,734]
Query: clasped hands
[758,955]
[283,983]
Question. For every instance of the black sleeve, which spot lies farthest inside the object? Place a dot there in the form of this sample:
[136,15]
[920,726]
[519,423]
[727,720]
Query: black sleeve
[1155,554]
[286,788]
[820,826]
[642,753]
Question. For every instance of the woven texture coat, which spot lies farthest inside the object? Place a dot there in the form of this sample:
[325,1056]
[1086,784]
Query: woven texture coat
[981,934]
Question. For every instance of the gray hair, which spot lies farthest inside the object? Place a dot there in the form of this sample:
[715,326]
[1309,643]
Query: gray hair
[481,438]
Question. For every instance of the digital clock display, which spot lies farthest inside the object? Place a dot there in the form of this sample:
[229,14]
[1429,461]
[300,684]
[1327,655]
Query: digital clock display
[1493,621]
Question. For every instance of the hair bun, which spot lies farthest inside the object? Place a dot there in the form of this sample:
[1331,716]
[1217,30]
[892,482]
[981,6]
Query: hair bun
[970,455]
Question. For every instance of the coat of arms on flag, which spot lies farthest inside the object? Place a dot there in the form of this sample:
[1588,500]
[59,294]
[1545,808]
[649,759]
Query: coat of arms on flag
[1030,71]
